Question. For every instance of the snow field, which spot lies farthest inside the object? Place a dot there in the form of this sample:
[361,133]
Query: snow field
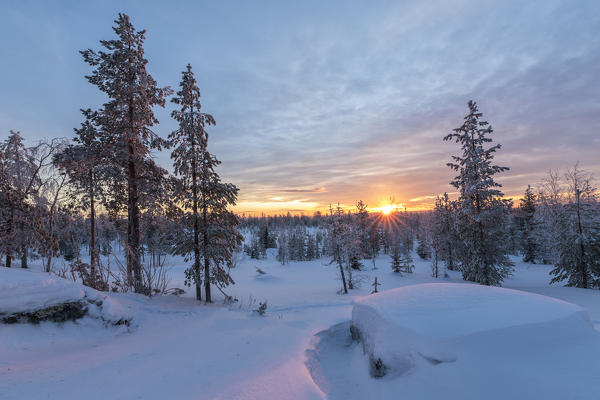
[301,348]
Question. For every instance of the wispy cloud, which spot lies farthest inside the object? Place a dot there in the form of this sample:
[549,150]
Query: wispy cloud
[315,190]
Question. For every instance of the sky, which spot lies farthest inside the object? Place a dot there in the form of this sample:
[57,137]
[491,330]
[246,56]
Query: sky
[320,102]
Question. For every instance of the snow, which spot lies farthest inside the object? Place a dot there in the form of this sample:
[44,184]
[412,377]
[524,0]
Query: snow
[301,348]
[406,326]
[447,310]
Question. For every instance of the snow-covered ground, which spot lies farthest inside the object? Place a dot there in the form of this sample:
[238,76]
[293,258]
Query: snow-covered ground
[301,349]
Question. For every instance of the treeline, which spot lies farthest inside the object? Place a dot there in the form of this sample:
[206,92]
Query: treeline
[108,172]
[345,237]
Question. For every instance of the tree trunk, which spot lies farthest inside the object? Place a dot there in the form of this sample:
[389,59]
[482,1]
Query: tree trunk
[343,276]
[196,221]
[480,248]
[449,228]
[23,247]
[206,258]
[94,254]
[8,262]
[24,257]
[133,208]
[207,279]
[350,283]
[205,251]
[450,258]
[582,266]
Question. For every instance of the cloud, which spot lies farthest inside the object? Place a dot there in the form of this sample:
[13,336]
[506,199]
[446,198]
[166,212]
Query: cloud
[338,101]
[315,190]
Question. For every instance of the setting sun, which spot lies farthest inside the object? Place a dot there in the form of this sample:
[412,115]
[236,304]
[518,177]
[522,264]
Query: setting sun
[387,210]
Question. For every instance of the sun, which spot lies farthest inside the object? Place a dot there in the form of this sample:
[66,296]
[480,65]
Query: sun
[387,210]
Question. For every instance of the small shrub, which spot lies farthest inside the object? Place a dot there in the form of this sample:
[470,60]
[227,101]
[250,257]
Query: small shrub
[262,308]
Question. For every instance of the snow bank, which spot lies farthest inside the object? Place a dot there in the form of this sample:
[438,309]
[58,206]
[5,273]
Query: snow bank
[26,291]
[403,327]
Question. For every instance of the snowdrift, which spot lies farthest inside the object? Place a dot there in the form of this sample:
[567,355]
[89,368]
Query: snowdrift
[32,296]
[402,328]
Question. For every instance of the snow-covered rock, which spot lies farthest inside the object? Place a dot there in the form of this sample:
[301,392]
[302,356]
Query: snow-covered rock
[26,290]
[23,292]
[403,327]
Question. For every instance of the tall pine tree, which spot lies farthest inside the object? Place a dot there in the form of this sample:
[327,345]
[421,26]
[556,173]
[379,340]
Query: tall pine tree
[213,226]
[120,72]
[482,213]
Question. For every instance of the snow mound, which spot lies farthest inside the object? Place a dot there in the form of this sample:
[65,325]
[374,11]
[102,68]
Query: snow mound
[26,291]
[404,327]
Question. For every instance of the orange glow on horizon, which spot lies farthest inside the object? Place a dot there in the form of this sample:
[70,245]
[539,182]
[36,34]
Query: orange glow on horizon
[271,208]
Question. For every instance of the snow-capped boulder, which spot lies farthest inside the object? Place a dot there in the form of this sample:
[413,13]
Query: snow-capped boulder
[34,296]
[403,327]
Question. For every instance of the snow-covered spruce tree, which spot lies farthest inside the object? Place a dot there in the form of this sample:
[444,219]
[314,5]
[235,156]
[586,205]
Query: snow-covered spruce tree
[255,249]
[120,72]
[353,249]
[204,197]
[267,239]
[310,247]
[396,261]
[363,226]
[401,261]
[443,230]
[579,246]
[337,232]
[525,222]
[434,244]
[297,244]
[283,253]
[423,248]
[482,213]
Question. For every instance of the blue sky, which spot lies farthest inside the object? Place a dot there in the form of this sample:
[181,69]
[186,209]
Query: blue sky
[320,102]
